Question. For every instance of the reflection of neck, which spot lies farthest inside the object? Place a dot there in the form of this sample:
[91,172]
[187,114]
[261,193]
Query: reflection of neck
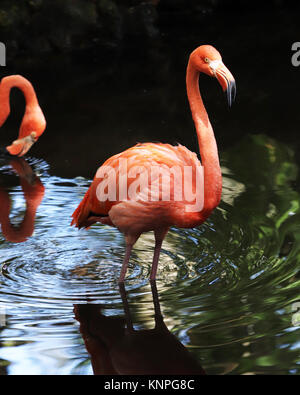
[206,140]
[17,234]
[15,81]
[33,195]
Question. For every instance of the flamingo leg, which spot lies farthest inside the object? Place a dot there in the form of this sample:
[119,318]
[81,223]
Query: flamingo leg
[159,238]
[125,262]
[130,241]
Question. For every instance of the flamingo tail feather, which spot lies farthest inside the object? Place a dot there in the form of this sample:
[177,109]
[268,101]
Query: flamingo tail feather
[81,214]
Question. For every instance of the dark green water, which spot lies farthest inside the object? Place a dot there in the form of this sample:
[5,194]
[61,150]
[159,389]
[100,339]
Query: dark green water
[229,290]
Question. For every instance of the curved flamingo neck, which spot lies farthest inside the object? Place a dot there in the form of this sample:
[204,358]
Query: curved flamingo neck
[207,143]
[15,81]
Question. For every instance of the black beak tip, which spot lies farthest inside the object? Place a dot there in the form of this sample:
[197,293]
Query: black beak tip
[231,92]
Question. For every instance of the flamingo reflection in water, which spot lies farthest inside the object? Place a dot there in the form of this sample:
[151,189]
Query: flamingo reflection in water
[117,348]
[33,191]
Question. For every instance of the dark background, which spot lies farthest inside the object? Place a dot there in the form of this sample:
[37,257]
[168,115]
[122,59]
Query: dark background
[109,74]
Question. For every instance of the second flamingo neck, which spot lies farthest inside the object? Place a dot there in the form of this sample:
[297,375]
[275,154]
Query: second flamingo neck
[207,143]
[17,81]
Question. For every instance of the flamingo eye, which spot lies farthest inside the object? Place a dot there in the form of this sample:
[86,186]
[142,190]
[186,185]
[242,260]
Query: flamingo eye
[206,60]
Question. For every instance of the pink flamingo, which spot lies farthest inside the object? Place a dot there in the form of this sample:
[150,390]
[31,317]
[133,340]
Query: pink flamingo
[135,216]
[33,122]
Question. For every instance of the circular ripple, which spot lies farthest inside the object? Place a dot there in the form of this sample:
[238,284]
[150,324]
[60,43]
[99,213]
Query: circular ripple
[58,263]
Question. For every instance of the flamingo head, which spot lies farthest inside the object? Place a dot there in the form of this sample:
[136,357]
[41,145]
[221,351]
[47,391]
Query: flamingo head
[208,60]
[32,127]
[21,146]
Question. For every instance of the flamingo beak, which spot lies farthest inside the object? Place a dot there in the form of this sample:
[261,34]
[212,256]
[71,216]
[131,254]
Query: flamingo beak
[231,92]
[225,79]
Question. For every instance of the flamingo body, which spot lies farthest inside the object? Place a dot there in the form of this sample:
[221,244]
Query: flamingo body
[135,213]
[138,216]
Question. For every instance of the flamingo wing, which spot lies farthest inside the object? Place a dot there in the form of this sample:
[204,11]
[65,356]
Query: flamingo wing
[136,212]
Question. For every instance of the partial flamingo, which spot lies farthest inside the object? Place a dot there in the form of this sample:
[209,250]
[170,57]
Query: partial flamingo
[135,216]
[33,122]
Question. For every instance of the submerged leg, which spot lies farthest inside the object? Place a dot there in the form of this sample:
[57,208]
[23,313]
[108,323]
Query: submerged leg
[130,240]
[125,262]
[159,238]
[128,318]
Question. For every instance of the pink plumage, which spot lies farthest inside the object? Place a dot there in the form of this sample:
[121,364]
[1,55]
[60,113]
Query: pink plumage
[144,188]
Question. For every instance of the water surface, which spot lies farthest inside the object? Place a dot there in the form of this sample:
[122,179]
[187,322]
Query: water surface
[228,291]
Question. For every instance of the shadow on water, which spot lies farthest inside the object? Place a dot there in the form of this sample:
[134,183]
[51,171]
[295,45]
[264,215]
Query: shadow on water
[116,347]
